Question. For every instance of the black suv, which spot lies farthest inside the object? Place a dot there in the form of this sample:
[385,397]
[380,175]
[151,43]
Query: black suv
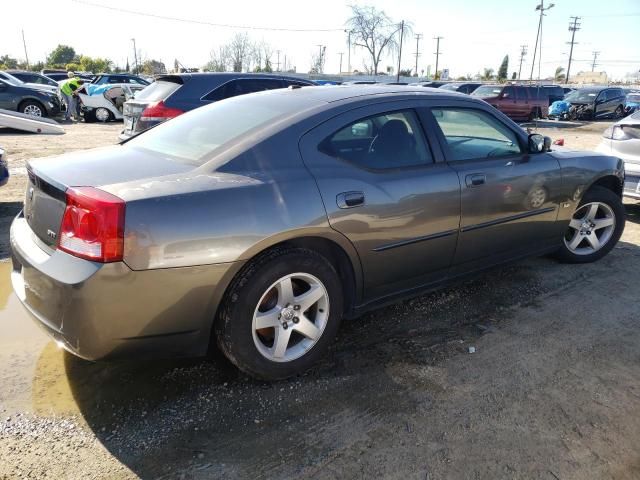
[598,102]
[172,95]
[28,100]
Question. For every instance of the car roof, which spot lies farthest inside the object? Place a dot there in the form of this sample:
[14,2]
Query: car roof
[231,75]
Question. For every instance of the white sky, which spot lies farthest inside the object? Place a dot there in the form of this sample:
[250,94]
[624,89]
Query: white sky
[477,34]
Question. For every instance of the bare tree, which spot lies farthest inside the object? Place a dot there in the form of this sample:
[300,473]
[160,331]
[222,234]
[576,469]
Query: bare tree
[240,50]
[374,31]
[317,61]
[263,51]
[218,60]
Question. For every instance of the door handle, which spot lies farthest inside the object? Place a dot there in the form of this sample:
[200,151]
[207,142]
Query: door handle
[350,199]
[475,179]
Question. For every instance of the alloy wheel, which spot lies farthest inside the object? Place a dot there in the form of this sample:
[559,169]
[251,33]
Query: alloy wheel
[290,317]
[590,229]
[33,110]
[102,114]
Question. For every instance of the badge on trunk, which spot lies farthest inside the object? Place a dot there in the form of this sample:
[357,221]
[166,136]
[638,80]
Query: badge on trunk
[51,234]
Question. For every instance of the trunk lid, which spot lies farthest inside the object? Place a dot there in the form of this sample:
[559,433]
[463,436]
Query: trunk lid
[49,178]
[158,91]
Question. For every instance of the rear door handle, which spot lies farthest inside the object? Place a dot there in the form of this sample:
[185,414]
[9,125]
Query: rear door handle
[475,179]
[350,199]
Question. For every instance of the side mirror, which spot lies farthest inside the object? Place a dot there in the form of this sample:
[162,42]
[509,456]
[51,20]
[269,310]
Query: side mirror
[539,143]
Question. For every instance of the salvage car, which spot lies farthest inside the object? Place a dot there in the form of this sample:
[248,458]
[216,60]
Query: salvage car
[10,78]
[119,78]
[36,79]
[598,102]
[105,102]
[622,139]
[29,101]
[172,95]
[259,221]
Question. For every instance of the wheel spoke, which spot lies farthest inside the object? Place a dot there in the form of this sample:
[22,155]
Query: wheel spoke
[307,328]
[280,342]
[575,223]
[593,211]
[267,319]
[285,291]
[575,241]
[594,241]
[309,298]
[603,222]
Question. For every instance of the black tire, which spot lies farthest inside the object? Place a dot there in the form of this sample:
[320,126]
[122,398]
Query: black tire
[27,105]
[603,195]
[234,324]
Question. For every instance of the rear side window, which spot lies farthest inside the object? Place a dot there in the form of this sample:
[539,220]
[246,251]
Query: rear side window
[475,134]
[509,92]
[242,86]
[522,93]
[157,91]
[381,142]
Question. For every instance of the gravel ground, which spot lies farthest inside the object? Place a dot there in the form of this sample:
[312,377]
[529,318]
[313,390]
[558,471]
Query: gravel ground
[552,390]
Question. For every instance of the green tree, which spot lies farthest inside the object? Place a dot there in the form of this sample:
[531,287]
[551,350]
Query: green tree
[153,67]
[503,71]
[559,75]
[487,74]
[514,75]
[61,55]
[8,62]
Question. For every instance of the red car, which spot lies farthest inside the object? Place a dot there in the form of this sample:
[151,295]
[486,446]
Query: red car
[519,102]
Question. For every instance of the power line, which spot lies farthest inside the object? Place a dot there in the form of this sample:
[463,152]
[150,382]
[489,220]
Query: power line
[202,22]
[573,29]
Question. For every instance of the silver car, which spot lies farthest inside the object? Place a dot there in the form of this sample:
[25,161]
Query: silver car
[623,140]
[259,221]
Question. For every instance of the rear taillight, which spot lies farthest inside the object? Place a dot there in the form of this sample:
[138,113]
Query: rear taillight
[92,225]
[158,111]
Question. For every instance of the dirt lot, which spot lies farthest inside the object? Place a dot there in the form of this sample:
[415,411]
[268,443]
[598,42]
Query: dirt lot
[551,392]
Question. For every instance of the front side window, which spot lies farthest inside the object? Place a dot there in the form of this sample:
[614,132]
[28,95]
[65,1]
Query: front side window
[509,92]
[475,134]
[386,141]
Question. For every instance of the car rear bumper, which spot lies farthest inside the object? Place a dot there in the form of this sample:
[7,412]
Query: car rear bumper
[103,311]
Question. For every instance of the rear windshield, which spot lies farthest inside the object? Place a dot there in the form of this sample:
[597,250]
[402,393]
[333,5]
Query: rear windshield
[157,91]
[195,136]
[487,91]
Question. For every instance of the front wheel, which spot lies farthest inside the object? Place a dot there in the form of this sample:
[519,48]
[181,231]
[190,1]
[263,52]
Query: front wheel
[35,109]
[102,114]
[595,227]
[280,314]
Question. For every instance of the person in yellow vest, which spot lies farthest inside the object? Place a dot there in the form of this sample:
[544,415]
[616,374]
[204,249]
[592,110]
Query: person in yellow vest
[68,90]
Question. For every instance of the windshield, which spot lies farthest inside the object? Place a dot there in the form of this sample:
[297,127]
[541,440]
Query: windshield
[487,91]
[193,137]
[10,79]
[582,96]
[450,86]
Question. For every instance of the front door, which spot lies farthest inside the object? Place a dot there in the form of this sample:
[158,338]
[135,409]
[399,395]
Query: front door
[385,190]
[509,198]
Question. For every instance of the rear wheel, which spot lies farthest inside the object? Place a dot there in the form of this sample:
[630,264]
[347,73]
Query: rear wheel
[280,314]
[102,114]
[595,227]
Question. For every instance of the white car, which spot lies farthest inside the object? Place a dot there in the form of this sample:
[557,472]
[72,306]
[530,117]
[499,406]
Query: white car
[622,140]
[44,87]
[104,103]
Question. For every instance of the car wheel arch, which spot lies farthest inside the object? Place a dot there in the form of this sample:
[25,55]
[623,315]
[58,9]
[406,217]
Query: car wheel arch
[33,100]
[608,181]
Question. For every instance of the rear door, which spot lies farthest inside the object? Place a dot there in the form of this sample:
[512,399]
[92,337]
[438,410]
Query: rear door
[603,104]
[388,192]
[7,98]
[509,198]
[509,101]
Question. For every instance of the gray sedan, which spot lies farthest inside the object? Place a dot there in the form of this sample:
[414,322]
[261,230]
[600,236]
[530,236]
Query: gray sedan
[260,221]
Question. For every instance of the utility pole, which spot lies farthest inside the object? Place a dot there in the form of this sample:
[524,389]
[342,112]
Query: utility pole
[542,9]
[523,52]
[25,48]
[278,63]
[135,55]
[594,64]
[573,29]
[417,54]
[400,51]
[340,70]
[349,32]
[437,39]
